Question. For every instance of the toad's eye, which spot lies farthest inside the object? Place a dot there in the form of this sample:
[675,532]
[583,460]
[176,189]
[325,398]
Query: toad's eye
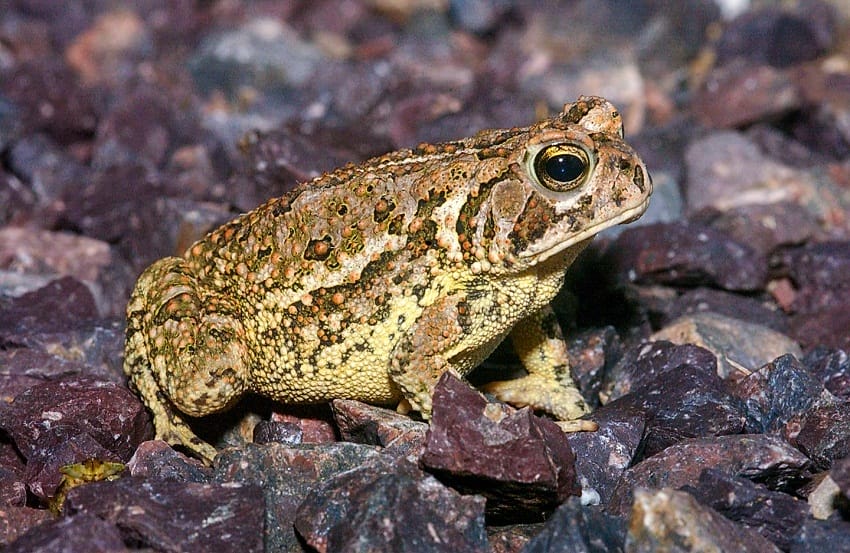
[561,167]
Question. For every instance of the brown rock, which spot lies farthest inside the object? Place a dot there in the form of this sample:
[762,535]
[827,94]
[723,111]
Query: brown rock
[520,462]
[367,424]
[391,506]
[669,520]
[739,346]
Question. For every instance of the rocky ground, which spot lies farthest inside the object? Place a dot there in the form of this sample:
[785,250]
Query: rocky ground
[711,336]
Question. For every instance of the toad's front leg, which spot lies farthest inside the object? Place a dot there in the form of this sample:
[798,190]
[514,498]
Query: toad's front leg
[549,386]
[184,353]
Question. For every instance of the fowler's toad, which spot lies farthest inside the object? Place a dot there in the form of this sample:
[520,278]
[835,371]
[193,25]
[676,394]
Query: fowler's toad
[371,281]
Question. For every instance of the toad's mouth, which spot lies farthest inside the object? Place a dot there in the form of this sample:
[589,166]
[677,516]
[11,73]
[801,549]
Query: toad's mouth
[544,249]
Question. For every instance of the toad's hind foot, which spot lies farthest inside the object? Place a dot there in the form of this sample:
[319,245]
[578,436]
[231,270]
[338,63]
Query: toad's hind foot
[545,394]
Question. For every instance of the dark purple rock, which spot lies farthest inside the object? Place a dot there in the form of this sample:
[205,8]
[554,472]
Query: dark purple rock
[520,462]
[592,353]
[16,521]
[687,402]
[829,327]
[757,224]
[390,506]
[157,460]
[822,535]
[832,368]
[275,161]
[144,126]
[367,424]
[644,364]
[17,201]
[776,393]
[573,527]
[775,515]
[68,421]
[683,254]
[278,431]
[669,520]
[736,306]
[821,273]
[13,490]
[52,99]
[822,433]
[286,475]
[176,516]
[739,94]
[46,169]
[761,35]
[603,455]
[25,367]
[760,457]
[83,532]
[63,304]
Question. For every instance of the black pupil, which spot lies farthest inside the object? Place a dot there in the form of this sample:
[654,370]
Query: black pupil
[564,167]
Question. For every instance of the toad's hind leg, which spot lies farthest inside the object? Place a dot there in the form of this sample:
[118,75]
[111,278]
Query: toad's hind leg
[183,354]
[549,387]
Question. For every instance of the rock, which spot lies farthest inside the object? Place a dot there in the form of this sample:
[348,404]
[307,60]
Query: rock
[822,535]
[520,462]
[592,353]
[776,393]
[822,433]
[740,94]
[286,474]
[110,48]
[17,201]
[683,254]
[220,517]
[156,460]
[390,506]
[764,227]
[686,402]
[68,421]
[669,520]
[602,456]
[280,432]
[52,99]
[478,16]
[644,364]
[60,305]
[511,539]
[737,344]
[768,459]
[262,54]
[366,424]
[573,527]
[776,516]
[759,35]
[45,169]
[821,273]
[734,306]
[823,496]
[832,368]
[83,532]
[17,521]
[727,170]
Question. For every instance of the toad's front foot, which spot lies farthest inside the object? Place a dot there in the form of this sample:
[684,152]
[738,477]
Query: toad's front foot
[545,394]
